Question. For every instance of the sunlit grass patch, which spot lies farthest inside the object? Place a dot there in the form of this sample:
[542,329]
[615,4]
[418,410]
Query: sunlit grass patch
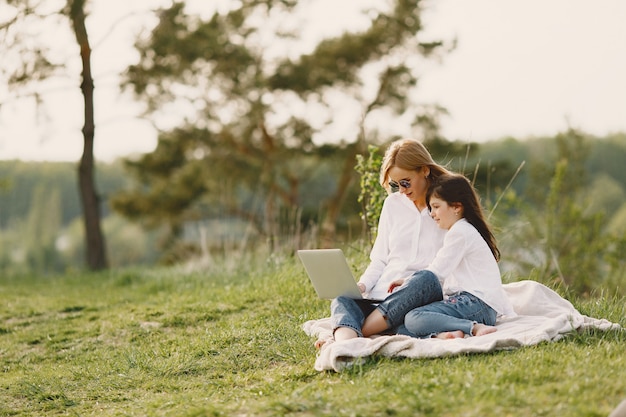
[175,341]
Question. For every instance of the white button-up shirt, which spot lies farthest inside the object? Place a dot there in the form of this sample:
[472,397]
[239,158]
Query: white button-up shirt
[407,241]
[465,263]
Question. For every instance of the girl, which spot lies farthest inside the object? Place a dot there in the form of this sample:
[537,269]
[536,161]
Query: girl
[466,267]
[407,240]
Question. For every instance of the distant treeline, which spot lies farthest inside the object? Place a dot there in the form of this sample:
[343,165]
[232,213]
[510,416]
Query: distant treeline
[40,209]
[20,182]
[604,160]
[494,163]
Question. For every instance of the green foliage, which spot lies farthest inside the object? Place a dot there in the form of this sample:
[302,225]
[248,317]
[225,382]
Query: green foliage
[200,342]
[338,60]
[617,224]
[372,194]
[607,155]
[28,59]
[41,229]
[245,146]
[572,239]
[571,244]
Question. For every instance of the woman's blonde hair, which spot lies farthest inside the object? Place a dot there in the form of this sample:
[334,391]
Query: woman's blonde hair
[410,155]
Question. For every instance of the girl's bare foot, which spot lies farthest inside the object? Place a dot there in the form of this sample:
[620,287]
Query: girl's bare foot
[480,329]
[457,334]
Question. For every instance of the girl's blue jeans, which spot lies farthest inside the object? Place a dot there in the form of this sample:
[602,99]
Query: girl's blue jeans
[421,289]
[458,312]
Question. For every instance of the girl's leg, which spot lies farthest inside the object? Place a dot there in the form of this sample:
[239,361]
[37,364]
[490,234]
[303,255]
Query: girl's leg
[422,288]
[464,312]
[424,322]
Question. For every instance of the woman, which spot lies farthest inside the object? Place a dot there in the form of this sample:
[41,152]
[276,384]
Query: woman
[466,266]
[407,240]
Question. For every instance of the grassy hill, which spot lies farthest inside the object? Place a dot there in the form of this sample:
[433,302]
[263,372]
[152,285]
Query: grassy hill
[225,339]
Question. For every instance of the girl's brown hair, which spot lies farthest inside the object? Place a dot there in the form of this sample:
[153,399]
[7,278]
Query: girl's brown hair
[455,189]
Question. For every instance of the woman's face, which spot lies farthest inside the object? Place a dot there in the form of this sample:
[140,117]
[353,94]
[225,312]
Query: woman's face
[411,183]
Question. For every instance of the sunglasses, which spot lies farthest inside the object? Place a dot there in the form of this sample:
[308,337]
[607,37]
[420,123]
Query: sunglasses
[402,183]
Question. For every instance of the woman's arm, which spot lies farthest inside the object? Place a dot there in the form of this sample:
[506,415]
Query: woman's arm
[379,255]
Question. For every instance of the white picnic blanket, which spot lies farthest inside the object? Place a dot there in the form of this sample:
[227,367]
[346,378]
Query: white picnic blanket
[542,315]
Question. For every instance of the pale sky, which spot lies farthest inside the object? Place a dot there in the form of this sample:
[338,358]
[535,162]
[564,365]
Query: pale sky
[522,68]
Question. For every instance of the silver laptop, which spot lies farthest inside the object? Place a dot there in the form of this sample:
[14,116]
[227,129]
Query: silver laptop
[330,273]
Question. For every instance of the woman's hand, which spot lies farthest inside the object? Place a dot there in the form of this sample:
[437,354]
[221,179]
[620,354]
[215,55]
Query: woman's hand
[396,283]
[361,287]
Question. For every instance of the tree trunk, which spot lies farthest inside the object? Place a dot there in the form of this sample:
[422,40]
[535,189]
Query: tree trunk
[96,250]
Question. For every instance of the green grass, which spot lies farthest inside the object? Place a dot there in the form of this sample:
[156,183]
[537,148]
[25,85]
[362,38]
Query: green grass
[228,342]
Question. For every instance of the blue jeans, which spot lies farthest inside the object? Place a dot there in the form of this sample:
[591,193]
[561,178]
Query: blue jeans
[421,289]
[459,312]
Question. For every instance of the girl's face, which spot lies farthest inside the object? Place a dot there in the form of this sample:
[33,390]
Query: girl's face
[411,183]
[444,214]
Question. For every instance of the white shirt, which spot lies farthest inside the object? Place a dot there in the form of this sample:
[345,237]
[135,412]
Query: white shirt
[465,263]
[407,241]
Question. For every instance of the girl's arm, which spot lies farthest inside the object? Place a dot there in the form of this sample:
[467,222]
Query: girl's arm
[396,283]
[449,256]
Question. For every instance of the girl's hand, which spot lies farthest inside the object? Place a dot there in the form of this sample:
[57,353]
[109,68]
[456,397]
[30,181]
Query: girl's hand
[361,287]
[396,283]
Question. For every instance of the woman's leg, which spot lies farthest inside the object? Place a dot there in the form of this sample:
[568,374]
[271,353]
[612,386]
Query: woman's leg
[347,317]
[422,288]
[464,312]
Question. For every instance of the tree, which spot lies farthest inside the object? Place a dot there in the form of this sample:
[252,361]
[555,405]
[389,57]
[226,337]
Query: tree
[35,65]
[96,248]
[246,109]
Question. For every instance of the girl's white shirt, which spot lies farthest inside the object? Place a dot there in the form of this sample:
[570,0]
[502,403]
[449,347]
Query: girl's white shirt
[465,263]
[407,241]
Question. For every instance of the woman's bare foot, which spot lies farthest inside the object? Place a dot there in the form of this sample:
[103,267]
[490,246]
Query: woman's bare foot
[321,342]
[340,333]
[457,334]
[480,329]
